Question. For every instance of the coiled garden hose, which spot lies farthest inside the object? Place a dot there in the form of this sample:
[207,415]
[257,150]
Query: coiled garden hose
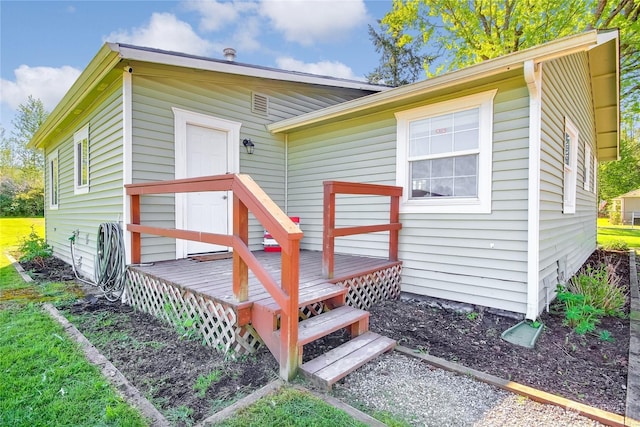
[110,264]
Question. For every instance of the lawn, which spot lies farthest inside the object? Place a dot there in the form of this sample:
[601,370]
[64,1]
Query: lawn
[46,380]
[608,234]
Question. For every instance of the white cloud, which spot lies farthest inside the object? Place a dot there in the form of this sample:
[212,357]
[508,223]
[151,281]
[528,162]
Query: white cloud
[309,21]
[46,83]
[323,68]
[165,31]
[215,15]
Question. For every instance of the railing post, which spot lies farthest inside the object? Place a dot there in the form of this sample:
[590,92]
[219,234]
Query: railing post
[135,237]
[240,269]
[290,277]
[394,217]
[328,226]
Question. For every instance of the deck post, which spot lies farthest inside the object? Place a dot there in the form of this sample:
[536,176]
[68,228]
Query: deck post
[240,269]
[135,237]
[394,218]
[290,277]
[328,226]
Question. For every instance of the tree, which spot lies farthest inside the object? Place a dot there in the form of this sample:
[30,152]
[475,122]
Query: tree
[400,63]
[465,33]
[619,177]
[27,121]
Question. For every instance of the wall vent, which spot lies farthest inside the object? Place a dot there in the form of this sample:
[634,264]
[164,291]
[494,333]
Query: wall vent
[260,104]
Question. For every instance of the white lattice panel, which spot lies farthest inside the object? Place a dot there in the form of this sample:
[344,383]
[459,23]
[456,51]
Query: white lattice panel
[215,323]
[368,289]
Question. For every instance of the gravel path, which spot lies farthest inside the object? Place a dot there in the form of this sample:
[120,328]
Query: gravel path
[426,396]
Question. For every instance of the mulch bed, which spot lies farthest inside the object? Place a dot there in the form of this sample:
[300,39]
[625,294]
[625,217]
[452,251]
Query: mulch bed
[165,368]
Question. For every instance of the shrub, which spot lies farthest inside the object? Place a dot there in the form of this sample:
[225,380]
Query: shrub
[615,218]
[601,289]
[616,245]
[35,248]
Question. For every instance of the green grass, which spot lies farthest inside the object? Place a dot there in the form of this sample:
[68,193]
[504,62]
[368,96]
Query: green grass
[608,233]
[291,407]
[46,380]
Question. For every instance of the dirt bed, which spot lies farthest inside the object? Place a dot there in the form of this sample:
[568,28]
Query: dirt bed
[166,367]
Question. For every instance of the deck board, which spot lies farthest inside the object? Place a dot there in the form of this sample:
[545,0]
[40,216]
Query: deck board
[214,278]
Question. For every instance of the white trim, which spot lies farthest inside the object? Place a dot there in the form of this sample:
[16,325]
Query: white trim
[78,137]
[479,204]
[587,167]
[595,175]
[569,180]
[127,155]
[181,119]
[533,77]
[50,158]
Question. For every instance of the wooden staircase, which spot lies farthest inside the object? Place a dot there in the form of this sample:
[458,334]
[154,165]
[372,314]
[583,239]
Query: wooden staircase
[334,365]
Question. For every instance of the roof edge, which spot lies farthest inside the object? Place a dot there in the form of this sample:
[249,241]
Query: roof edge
[545,52]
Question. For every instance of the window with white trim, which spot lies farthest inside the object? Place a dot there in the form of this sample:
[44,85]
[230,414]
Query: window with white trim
[54,186]
[570,163]
[444,155]
[81,161]
[587,167]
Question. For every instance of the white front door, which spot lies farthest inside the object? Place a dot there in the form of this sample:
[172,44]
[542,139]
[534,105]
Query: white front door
[205,146]
[207,211]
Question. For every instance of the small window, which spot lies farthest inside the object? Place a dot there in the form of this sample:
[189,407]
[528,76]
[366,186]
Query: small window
[81,161]
[54,186]
[570,164]
[587,168]
[444,155]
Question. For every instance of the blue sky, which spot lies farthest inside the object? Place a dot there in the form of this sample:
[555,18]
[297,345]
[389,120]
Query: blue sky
[44,45]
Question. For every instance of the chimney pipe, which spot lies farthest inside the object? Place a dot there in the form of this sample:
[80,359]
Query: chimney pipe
[229,53]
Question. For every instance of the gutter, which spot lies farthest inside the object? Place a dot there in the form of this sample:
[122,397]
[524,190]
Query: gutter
[514,61]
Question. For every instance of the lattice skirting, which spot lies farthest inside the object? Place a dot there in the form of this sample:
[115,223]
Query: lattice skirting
[380,285]
[191,313]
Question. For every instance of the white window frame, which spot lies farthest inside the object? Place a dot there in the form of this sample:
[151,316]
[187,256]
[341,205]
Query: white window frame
[53,168]
[78,161]
[569,180]
[587,167]
[595,175]
[479,204]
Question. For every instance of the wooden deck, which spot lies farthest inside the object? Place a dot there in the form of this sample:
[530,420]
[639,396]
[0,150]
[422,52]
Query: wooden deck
[213,279]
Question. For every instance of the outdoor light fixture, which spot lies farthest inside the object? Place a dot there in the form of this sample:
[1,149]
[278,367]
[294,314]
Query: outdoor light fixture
[248,145]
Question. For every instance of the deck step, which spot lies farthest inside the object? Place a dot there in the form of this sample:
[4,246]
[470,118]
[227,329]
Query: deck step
[336,364]
[323,324]
[323,291]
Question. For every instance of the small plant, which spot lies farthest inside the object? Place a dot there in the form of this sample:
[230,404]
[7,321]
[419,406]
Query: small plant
[203,382]
[579,315]
[472,316]
[180,415]
[616,245]
[186,326]
[606,336]
[35,248]
[535,324]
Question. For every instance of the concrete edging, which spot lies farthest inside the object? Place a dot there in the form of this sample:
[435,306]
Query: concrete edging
[633,374]
[18,268]
[128,392]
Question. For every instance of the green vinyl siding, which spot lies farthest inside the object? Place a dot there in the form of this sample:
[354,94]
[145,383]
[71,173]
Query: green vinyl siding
[566,240]
[103,202]
[444,255]
[157,89]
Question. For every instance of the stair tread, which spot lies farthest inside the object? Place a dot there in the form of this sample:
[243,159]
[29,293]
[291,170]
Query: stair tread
[306,296]
[334,365]
[325,323]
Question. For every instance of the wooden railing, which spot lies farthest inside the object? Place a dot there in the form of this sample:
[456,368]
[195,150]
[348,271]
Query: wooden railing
[247,196]
[330,232]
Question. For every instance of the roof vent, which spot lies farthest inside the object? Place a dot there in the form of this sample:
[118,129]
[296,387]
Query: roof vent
[229,53]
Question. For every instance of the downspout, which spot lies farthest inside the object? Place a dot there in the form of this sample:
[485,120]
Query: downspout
[533,78]
[127,152]
[286,173]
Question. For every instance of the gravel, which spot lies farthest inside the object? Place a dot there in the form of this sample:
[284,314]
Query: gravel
[422,395]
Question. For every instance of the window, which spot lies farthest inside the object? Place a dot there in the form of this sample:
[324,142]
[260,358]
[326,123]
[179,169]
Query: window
[587,168]
[570,163]
[81,161]
[53,180]
[444,155]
